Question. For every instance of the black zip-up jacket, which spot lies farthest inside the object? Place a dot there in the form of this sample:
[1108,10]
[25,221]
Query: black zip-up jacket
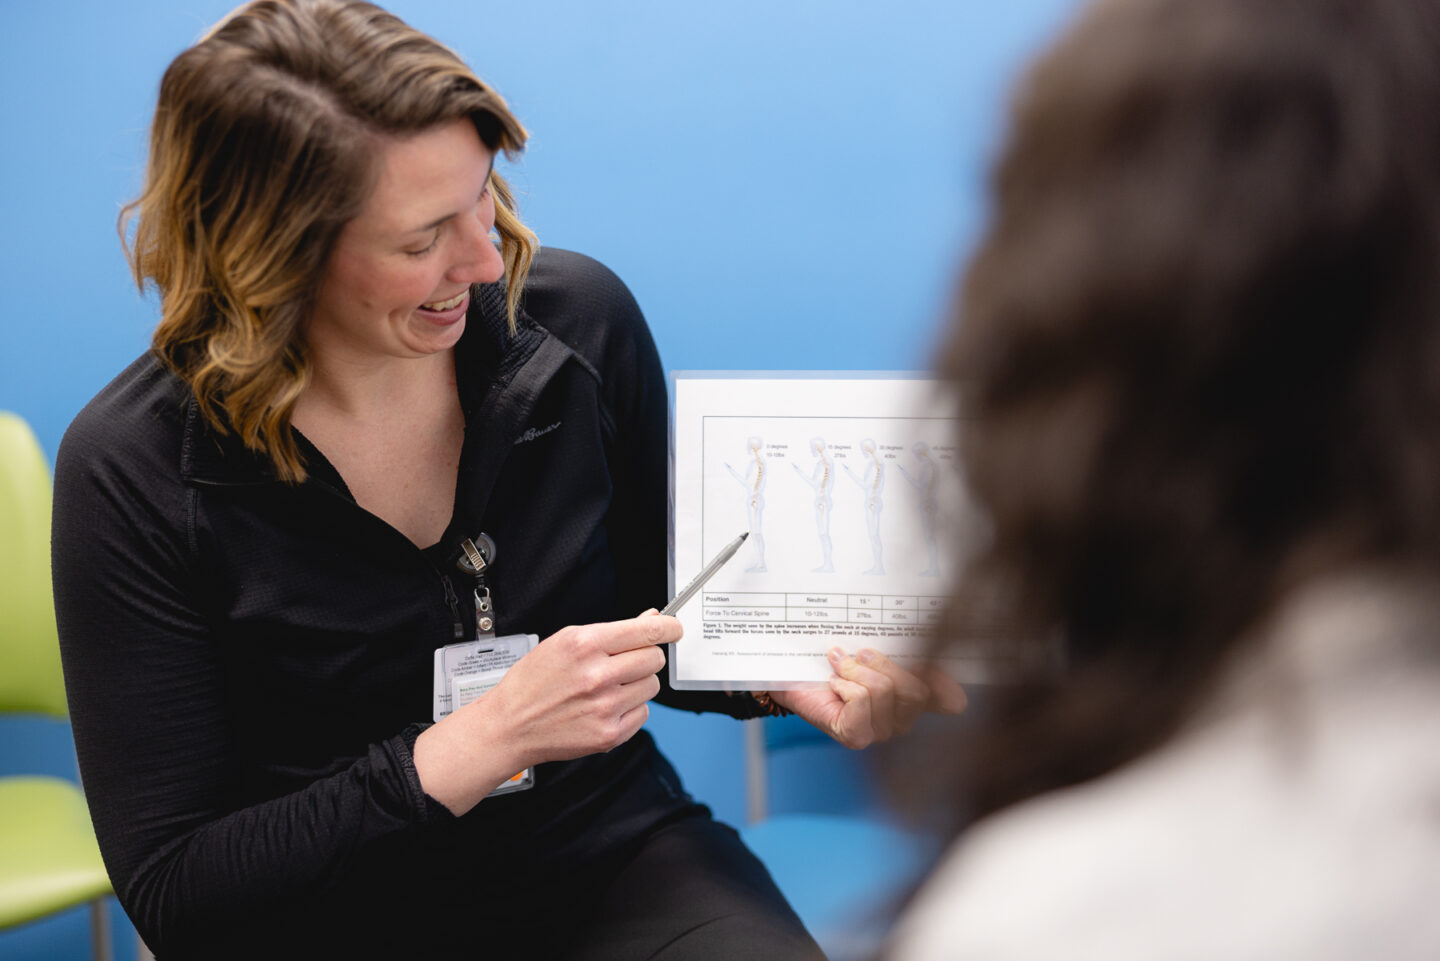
[248,662]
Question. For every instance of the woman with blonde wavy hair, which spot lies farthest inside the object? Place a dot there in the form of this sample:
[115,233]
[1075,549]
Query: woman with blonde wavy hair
[303,546]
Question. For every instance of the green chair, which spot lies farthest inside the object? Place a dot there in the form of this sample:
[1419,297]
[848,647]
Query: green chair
[49,861]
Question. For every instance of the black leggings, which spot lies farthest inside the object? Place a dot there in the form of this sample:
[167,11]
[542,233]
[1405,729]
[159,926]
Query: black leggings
[689,890]
[693,892]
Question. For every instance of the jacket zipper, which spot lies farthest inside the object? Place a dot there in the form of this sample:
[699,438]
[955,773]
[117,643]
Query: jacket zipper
[453,603]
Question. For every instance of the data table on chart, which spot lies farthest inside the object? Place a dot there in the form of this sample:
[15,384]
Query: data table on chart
[843,485]
[899,614]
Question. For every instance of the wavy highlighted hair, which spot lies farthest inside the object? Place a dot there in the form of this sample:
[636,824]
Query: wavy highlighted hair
[263,147]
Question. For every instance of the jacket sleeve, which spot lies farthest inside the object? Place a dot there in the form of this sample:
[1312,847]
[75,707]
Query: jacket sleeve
[148,699]
[638,526]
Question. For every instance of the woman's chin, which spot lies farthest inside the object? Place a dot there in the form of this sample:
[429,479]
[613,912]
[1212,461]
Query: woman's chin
[428,337]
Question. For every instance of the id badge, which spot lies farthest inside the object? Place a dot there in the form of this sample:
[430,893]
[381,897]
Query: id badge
[467,670]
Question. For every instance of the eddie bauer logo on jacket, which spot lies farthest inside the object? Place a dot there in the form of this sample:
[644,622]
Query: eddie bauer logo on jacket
[532,433]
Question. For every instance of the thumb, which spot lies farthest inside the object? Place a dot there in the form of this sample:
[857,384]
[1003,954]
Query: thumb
[946,694]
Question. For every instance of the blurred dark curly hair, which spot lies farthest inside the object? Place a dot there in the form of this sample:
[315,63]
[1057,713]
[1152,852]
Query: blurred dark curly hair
[1198,353]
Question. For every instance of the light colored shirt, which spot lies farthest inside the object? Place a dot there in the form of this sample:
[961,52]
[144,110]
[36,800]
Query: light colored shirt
[1298,817]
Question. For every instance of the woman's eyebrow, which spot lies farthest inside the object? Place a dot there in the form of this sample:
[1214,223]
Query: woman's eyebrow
[436,223]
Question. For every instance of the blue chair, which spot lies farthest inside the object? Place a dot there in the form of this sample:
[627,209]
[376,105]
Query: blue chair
[815,819]
[49,861]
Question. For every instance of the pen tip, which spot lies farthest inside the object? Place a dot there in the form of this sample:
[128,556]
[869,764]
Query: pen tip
[744,535]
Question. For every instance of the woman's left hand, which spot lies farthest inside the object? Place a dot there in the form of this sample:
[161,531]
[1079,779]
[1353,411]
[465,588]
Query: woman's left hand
[871,698]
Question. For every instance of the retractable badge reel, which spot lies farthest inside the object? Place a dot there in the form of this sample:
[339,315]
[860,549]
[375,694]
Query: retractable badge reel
[476,556]
[465,671]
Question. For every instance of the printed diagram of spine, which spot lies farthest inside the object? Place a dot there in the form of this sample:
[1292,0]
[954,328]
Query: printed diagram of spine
[926,475]
[872,482]
[822,479]
[753,480]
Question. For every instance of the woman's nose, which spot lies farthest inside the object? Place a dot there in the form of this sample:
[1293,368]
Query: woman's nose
[480,260]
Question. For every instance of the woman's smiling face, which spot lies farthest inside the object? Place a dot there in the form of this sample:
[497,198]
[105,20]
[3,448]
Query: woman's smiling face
[397,283]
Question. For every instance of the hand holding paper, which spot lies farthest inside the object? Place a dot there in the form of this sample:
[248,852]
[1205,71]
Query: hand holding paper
[871,699]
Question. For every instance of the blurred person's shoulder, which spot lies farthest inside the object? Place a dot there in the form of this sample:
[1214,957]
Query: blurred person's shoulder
[1295,818]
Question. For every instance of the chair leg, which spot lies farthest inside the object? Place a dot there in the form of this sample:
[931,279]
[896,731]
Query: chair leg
[101,947]
[757,788]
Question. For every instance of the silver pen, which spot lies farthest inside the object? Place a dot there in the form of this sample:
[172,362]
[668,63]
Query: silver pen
[700,579]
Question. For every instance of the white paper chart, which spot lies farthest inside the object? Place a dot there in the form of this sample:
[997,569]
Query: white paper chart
[844,483]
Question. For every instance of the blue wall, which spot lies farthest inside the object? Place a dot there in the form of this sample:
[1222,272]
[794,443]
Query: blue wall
[785,184]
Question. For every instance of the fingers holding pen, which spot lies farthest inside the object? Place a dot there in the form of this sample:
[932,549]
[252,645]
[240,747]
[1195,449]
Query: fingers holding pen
[584,690]
[614,652]
[612,637]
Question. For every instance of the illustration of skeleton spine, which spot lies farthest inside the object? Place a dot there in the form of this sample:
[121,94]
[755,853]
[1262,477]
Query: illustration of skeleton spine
[924,480]
[872,483]
[753,481]
[822,480]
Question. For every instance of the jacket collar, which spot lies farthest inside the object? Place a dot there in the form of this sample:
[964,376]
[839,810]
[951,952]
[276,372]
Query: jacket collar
[488,355]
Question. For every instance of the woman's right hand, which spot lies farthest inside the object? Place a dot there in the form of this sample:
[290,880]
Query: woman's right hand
[584,690]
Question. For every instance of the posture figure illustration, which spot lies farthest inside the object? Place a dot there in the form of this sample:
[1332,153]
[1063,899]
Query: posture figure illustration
[924,480]
[822,479]
[872,482]
[753,480]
